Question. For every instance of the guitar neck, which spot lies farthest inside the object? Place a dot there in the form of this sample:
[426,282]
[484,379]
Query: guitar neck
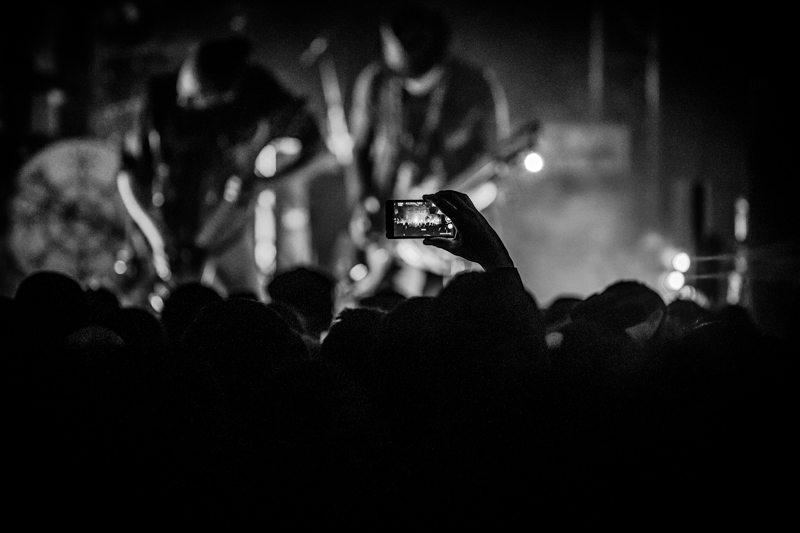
[487,166]
[481,171]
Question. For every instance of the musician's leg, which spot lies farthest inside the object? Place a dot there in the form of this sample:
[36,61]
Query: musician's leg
[236,268]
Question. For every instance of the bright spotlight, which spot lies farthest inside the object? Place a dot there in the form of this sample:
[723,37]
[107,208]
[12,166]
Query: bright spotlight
[681,262]
[358,272]
[120,266]
[674,281]
[533,162]
[266,164]
[157,302]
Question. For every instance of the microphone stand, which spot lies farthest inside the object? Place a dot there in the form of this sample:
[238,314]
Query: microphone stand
[339,140]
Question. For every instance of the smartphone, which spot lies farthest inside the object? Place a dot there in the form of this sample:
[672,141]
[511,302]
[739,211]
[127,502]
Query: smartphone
[416,219]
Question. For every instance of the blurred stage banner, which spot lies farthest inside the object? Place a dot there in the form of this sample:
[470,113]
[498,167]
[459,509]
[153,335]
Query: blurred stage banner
[586,149]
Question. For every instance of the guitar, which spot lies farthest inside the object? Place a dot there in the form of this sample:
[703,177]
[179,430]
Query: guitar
[477,181]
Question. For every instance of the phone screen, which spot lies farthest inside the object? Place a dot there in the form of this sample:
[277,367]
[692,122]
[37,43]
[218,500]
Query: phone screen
[416,219]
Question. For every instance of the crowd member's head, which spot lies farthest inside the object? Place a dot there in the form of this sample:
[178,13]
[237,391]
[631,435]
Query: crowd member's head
[556,314]
[234,348]
[349,343]
[11,321]
[612,332]
[143,334]
[626,306]
[469,318]
[298,323]
[51,305]
[736,317]
[681,317]
[291,315]
[212,73]
[383,299]
[181,308]
[401,364]
[240,342]
[310,292]
[102,303]
[415,39]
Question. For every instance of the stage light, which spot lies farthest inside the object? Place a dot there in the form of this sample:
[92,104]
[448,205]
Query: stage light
[372,204]
[276,155]
[295,218]
[265,255]
[741,219]
[358,272]
[267,161]
[533,162]
[265,231]
[681,262]
[688,292]
[238,23]
[157,302]
[674,281]
[734,294]
[120,266]
[288,145]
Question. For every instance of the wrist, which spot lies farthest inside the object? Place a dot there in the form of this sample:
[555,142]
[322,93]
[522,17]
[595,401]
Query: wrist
[495,263]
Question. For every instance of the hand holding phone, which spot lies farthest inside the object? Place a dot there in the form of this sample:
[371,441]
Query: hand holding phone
[476,240]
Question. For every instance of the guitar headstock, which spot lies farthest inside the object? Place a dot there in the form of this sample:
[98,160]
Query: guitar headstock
[526,137]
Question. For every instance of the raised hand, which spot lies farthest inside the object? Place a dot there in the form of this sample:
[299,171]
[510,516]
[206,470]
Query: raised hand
[475,240]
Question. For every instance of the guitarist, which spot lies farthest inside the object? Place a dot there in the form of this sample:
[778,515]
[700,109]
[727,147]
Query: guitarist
[189,175]
[420,116]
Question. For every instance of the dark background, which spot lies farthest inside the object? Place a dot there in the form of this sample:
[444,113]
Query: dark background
[717,128]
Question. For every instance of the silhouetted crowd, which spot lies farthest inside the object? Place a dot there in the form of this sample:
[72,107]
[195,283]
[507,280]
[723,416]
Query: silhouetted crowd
[473,403]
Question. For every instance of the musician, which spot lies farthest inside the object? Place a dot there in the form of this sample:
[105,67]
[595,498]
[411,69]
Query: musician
[420,116]
[192,168]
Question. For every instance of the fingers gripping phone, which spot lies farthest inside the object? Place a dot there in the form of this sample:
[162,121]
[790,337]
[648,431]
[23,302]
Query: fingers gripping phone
[416,219]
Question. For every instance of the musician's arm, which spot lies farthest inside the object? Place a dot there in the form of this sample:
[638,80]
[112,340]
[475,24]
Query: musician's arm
[316,157]
[321,162]
[134,182]
[359,172]
[147,224]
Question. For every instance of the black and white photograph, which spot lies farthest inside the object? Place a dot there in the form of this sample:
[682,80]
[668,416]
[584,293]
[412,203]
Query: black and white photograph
[395,264]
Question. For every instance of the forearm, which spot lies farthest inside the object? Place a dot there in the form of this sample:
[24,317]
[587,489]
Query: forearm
[357,177]
[143,219]
[522,313]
